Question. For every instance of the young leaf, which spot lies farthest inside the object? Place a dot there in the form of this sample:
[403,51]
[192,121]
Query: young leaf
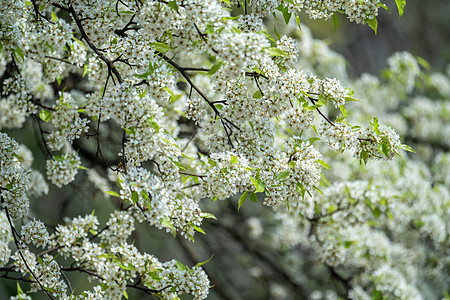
[45,115]
[180,266]
[203,262]
[406,148]
[166,223]
[335,21]
[331,209]
[282,175]
[134,197]
[208,216]
[297,19]
[242,199]
[253,197]
[173,5]
[375,126]
[161,47]
[257,95]
[215,68]
[401,7]
[112,193]
[323,164]
[384,6]
[287,15]
[373,23]
[196,228]
[343,110]
[276,52]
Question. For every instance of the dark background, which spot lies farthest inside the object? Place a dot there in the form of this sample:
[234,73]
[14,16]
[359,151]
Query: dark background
[424,30]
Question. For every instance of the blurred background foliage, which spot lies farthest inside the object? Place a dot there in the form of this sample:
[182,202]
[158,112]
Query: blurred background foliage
[424,30]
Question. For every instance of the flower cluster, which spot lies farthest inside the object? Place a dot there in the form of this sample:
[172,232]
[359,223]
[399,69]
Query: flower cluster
[181,101]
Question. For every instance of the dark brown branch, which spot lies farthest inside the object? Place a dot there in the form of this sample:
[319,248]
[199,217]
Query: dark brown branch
[122,32]
[313,101]
[82,270]
[109,63]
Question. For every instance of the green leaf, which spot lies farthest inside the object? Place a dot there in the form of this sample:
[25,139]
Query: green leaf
[323,164]
[401,7]
[19,290]
[287,15]
[375,126]
[203,262]
[54,17]
[112,193]
[292,164]
[319,190]
[253,197]
[58,158]
[376,212]
[384,148]
[259,185]
[41,262]
[161,47]
[363,156]
[166,223]
[384,6]
[173,5]
[276,52]
[343,110]
[234,160]
[215,68]
[373,23]
[257,95]
[134,197]
[85,70]
[242,199]
[406,148]
[107,256]
[282,175]
[297,19]
[276,32]
[153,124]
[180,266]
[340,119]
[19,52]
[196,228]
[349,99]
[347,244]
[315,129]
[313,139]
[335,21]
[205,215]
[125,294]
[9,186]
[301,189]
[178,164]
[128,267]
[331,209]
[421,61]
[129,131]
[45,115]
[144,195]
